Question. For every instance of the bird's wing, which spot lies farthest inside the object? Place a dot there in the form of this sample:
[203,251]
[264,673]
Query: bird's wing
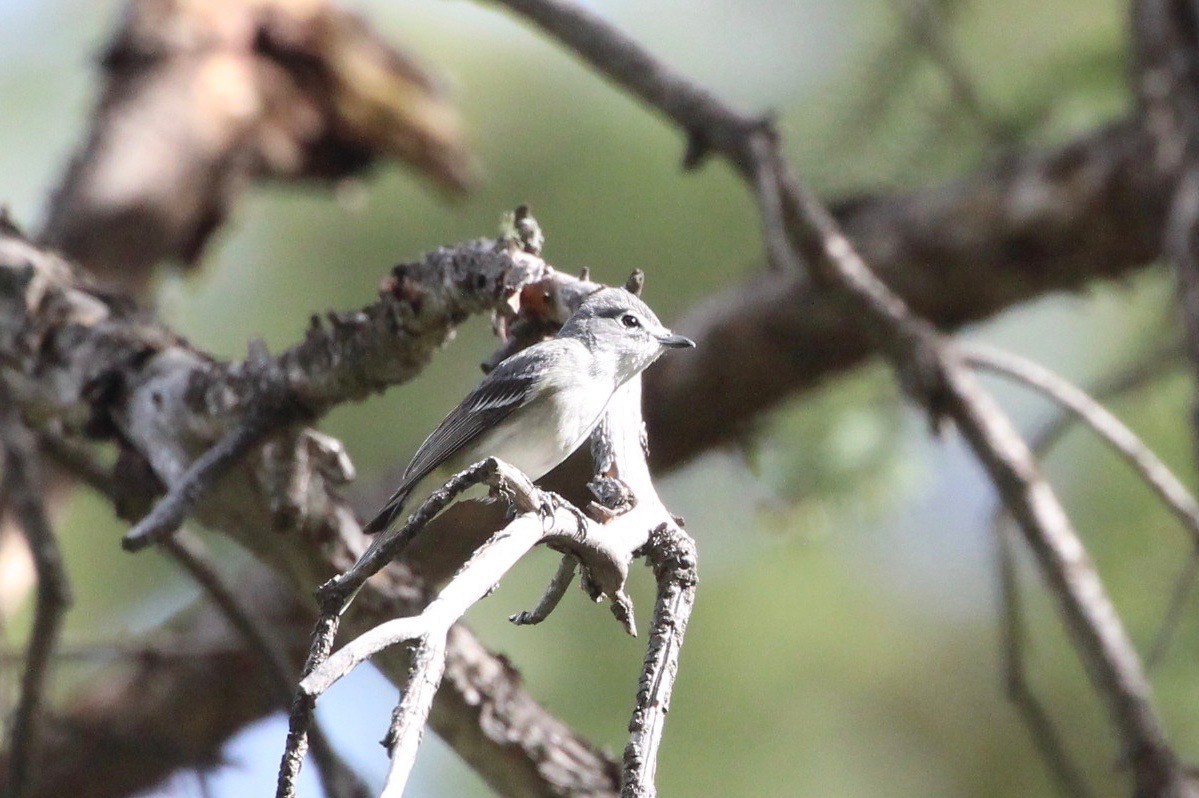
[509,386]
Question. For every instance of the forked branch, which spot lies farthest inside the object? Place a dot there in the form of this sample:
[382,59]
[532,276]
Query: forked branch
[925,363]
[635,523]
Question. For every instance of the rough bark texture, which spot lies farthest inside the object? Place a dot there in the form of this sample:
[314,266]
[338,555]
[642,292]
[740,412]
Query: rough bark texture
[84,364]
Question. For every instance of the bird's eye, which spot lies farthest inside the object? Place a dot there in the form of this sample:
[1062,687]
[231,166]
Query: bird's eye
[630,321]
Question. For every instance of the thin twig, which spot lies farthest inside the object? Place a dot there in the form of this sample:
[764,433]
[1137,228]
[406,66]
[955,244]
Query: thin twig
[338,780]
[1046,740]
[1113,432]
[429,630]
[604,552]
[300,718]
[1175,612]
[23,487]
[1147,368]
[553,593]
[335,596]
[408,719]
[386,546]
[923,20]
[168,515]
[1100,420]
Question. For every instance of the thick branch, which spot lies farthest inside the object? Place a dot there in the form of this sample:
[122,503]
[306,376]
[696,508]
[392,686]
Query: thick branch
[82,362]
[199,102]
[1027,226]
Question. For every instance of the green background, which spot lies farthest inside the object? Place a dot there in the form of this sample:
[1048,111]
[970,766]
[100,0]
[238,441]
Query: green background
[845,640]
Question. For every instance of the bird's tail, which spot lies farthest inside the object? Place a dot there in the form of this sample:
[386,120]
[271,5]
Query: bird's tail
[390,512]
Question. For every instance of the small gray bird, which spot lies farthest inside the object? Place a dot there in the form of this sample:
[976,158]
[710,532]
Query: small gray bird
[540,404]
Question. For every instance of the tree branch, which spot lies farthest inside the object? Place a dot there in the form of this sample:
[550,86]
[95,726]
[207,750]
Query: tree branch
[633,522]
[925,364]
[23,490]
[1026,226]
[1156,474]
[195,107]
[105,369]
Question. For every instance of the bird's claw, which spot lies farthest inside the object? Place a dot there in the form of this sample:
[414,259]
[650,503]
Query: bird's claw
[549,506]
[546,508]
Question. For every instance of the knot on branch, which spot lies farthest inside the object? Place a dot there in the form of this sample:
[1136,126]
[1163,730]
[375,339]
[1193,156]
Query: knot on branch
[613,497]
[672,555]
[733,137]
[922,370]
[520,230]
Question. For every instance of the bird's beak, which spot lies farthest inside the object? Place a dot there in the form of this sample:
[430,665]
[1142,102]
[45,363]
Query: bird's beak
[672,341]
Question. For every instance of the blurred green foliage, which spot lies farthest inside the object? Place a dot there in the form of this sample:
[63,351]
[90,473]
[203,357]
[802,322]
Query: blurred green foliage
[845,639]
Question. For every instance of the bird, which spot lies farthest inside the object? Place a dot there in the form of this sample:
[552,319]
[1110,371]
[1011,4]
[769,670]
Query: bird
[540,404]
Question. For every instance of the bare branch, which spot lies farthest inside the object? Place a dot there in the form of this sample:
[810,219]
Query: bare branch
[673,558]
[168,515]
[926,366]
[553,594]
[321,670]
[1045,737]
[300,719]
[1156,474]
[1069,397]
[23,489]
[1025,226]
[117,373]
[338,780]
[1145,369]
[430,629]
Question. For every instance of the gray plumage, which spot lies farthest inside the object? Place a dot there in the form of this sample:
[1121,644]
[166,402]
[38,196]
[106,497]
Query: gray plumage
[539,405]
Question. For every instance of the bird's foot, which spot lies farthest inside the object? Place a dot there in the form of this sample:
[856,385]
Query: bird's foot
[550,504]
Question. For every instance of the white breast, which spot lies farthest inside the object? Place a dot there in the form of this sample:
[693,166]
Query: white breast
[537,438]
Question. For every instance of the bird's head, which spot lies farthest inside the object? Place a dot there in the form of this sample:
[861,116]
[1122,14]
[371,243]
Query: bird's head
[615,324]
